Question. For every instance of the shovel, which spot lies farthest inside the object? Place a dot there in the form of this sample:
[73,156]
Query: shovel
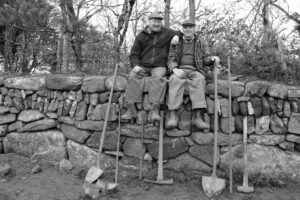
[212,185]
[230,130]
[160,177]
[95,171]
[118,139]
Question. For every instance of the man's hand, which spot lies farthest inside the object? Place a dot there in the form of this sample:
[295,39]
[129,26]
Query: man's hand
[137,69]
[215,59]
[179,72]
[175,40]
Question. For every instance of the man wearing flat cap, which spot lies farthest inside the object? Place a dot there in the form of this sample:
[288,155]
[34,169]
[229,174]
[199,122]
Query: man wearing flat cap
[148,57]
[187,62]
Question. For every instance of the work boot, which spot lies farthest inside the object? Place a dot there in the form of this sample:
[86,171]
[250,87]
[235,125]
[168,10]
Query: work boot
[198,120]
[155,113]
[173,120]
[130,112]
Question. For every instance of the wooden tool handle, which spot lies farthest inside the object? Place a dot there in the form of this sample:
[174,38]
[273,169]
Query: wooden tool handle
[216,124]
[160,147]
[230,129]
[106,116]
[245,132]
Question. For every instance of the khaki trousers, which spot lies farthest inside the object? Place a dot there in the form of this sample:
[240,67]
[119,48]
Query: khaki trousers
[157,86]
[195,82]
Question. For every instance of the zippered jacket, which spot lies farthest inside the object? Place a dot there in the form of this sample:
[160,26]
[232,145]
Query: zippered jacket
[151,50]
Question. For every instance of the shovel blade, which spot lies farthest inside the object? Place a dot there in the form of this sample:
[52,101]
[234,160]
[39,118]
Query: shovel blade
[212,186]
[93,174]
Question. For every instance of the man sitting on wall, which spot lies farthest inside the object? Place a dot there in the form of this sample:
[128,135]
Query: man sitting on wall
[148,57]
[187,61]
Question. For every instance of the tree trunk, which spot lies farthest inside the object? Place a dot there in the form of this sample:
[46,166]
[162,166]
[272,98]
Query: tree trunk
[59,51]
[8,49]
[167,12]
[266,23]
[65,59]
[192,10]
[123,22]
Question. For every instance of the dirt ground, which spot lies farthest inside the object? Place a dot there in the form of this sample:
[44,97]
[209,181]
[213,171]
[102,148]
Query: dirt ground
[53,184]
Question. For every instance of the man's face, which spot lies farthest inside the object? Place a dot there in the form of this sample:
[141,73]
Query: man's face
[155,25]
[188,31]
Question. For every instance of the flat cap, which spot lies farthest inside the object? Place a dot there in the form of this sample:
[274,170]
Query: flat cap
[188,23]
[155,15]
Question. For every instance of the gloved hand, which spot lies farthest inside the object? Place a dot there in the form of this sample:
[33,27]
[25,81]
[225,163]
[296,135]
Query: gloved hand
[137,69]
[179,72]
[175,40]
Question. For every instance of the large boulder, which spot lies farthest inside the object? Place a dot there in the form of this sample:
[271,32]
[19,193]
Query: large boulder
[3,130]
[236,86]
[34,83]
[110,141]
[276,125]
[223,139]
[83,156]
[262,125]
[93,84]
[225,125]
[134,147]
[90,125]
[4,110]
[239,124]
[16,126]
[120,84]
[267,140]
[74,133]
[63,82]
[7,118]
[172,147]
[294,123]
[49,145]
[268,161]
[178,133]
[204,153]
[187,163]
[99,112]
[40,125]
[30,115]
[256,88]
[278,91]
[293,138]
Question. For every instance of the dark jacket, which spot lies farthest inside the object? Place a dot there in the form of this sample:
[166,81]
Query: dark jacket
[201,55]
[151,49]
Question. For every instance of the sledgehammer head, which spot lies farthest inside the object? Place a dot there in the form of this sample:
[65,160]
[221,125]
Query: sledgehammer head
[212,186]
[245,189]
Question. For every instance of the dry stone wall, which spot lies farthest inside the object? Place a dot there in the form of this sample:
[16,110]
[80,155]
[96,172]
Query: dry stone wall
[62,116]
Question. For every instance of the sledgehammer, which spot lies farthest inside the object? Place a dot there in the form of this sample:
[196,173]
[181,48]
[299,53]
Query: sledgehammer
[160,177]
[245,188]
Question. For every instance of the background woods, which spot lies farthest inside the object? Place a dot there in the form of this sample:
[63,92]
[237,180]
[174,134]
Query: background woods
[90,36]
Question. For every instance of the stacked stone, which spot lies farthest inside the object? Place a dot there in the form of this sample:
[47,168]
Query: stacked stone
[62,116]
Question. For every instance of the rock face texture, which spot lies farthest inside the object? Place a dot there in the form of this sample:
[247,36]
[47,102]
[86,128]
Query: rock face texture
[60,116]
[267,160]
[48,144]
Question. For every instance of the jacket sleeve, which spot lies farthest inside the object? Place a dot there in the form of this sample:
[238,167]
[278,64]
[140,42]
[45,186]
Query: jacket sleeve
[135,52]
[173,57]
